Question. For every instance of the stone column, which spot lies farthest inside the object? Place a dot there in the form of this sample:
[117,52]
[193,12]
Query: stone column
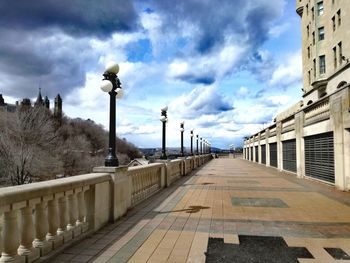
[267,136]
[72,214]
[299,140]
[11,235]
[336,116]
[279,146]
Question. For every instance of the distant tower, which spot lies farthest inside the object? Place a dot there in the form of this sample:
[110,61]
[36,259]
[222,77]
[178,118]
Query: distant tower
[39,100]
[2,101]
[58,107]
[47,102]
[26,102]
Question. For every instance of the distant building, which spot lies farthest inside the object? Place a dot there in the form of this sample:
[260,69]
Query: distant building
[5,107]
[138,162]
[312,138]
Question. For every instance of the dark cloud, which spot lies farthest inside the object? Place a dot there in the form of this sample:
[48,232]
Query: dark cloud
[247,20]
[46,42]
[205,80]
[78,18]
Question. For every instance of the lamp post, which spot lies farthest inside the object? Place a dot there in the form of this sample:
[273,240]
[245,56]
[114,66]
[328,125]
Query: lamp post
[163,119]
[182,129]
[191,142]
[201,152]
[197,145]
[112,85]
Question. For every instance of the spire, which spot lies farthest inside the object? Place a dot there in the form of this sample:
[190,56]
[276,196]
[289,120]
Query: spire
[47,102]
[39,100]
[58,106]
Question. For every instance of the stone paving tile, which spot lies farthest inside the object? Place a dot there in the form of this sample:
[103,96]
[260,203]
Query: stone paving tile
[176,223]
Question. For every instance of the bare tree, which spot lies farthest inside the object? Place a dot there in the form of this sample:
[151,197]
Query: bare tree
[27,146]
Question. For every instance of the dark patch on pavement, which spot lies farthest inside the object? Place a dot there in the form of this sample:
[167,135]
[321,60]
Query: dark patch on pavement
[254,249]
[259,202]
[337,253]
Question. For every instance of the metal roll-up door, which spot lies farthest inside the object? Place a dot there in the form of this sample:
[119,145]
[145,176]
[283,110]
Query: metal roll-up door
[289,155]
[273,154]
[251,154]
[256,154]
[263,154]
[319,157]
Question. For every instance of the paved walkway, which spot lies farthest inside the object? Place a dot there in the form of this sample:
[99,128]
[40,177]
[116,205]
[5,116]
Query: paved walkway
[229,210]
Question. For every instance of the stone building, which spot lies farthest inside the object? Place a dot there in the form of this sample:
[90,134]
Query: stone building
[312,138]
[40,101]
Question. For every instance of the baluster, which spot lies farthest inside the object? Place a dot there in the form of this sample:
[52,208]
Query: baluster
[41,228]
[62,208]
[27,231]
[52,215]
[10,237]
[72,211]
[81,211]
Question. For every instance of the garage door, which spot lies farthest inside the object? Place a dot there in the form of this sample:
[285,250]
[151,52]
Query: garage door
[273,154]
[256,154]
[263,154]
[319,157]
[289,155]
[251,154]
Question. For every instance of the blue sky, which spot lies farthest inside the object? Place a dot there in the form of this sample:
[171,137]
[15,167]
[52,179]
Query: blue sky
[225,68]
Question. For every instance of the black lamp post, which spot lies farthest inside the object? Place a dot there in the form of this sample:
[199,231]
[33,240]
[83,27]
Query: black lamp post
[191,142]
[163,119]
[201,146]
[111,84]
[197,145]
[182,129]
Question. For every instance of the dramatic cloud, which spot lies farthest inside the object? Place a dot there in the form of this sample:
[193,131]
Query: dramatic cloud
[200,101]
[49,43]
[222,40]
[98,18]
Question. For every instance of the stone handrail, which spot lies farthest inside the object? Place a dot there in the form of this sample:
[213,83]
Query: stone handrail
[40,217]
[317,112]
[145,181]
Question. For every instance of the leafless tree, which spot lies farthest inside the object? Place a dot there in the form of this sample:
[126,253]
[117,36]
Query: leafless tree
[27,146]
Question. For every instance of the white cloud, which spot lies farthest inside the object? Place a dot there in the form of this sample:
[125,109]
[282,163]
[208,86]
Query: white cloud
[289,71]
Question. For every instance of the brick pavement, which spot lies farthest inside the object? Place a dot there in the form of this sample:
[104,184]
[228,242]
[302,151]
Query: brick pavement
[226,198]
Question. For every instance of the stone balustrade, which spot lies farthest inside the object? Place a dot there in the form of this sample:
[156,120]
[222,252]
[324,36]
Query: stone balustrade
[174,170]
[39,217]
[146,181]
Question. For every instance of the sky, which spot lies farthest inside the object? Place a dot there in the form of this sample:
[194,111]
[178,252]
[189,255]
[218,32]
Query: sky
[226,68]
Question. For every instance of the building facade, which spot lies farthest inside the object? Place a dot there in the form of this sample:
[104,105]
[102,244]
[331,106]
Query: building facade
[312,138]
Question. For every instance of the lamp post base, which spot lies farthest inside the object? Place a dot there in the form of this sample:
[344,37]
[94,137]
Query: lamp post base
[111,160]
[163,157]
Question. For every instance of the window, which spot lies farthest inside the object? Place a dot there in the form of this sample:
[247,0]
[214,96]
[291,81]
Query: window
[321,33]
[339,17]
[314,68]
[322,60]
[333,23]
[320,8]
[313,13]
[313,38]
[308,52]
[335,57]
[307,9]
[340,48]
[309,77]
[308,31]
